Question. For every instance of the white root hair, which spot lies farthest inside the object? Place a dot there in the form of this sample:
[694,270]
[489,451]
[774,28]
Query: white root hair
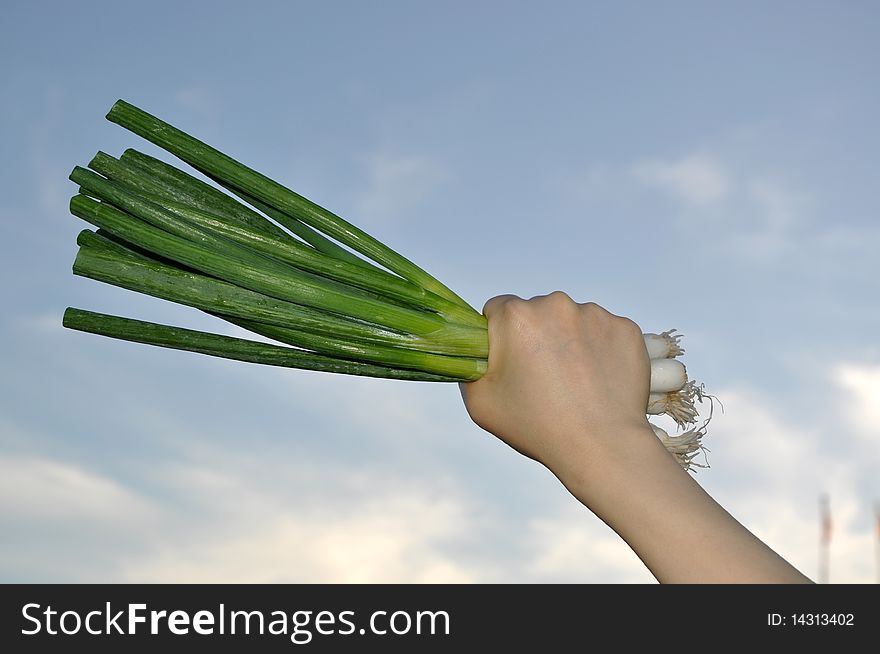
[678,405]
[673,342]
[665,345]
[687,446]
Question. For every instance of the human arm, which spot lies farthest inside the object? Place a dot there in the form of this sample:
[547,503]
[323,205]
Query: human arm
[567,385]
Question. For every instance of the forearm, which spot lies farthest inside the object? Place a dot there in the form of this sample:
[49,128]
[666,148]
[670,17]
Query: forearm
[679,532]
[568,385]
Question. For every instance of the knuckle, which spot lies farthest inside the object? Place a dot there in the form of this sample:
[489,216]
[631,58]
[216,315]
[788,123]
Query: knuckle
[630,326]
[498,304]
[593,310]
[556,301]
[560,297]
[516,307]
[506,310]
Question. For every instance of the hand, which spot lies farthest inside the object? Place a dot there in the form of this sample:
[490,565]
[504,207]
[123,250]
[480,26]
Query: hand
[564,381]
[567,384]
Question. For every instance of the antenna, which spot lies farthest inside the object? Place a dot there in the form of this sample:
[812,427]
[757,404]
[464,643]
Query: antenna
[825,538]
[877,535]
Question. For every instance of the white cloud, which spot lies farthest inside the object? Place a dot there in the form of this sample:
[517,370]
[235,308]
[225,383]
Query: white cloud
[398,184]
[228,523]
[778,205]
[733,203]
[696,179]
[35,489]
[261,520]
[793,532]
[575,546]
[861,383]
[43,322]
[769,474]
[245,514]
[378,539]
[749,436]
[771,220]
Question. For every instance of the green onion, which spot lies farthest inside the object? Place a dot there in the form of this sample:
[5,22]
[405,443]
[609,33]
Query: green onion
[230,262]
[357,274]
[272,262]
[229,347]
[180,181]
[165,233]
[196,193]
[229,171]
[104,260]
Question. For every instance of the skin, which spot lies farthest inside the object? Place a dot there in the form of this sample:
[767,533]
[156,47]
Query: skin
[567,385]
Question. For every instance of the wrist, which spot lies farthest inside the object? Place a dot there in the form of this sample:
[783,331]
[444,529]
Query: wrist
[613,465]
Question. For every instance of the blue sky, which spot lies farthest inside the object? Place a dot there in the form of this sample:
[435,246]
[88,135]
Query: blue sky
[705,166]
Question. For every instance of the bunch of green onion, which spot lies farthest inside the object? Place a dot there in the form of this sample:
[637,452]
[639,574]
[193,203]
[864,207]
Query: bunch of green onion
[264,258]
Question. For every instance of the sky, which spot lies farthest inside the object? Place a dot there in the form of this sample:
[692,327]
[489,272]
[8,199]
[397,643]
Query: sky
[710,167]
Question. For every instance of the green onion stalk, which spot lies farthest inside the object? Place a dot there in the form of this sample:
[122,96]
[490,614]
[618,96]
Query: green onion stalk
[253,253]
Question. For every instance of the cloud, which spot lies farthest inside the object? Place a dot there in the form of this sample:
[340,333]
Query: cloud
[769,473]
[574,546]
[398,184]
[260,520]
[861,383]
[46,322]
[794,532]
[732,204]
[37,489]
[220,523]
[779,206]
[379,539]
[696,179]
[65,523]
[221,509]
[771,220]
